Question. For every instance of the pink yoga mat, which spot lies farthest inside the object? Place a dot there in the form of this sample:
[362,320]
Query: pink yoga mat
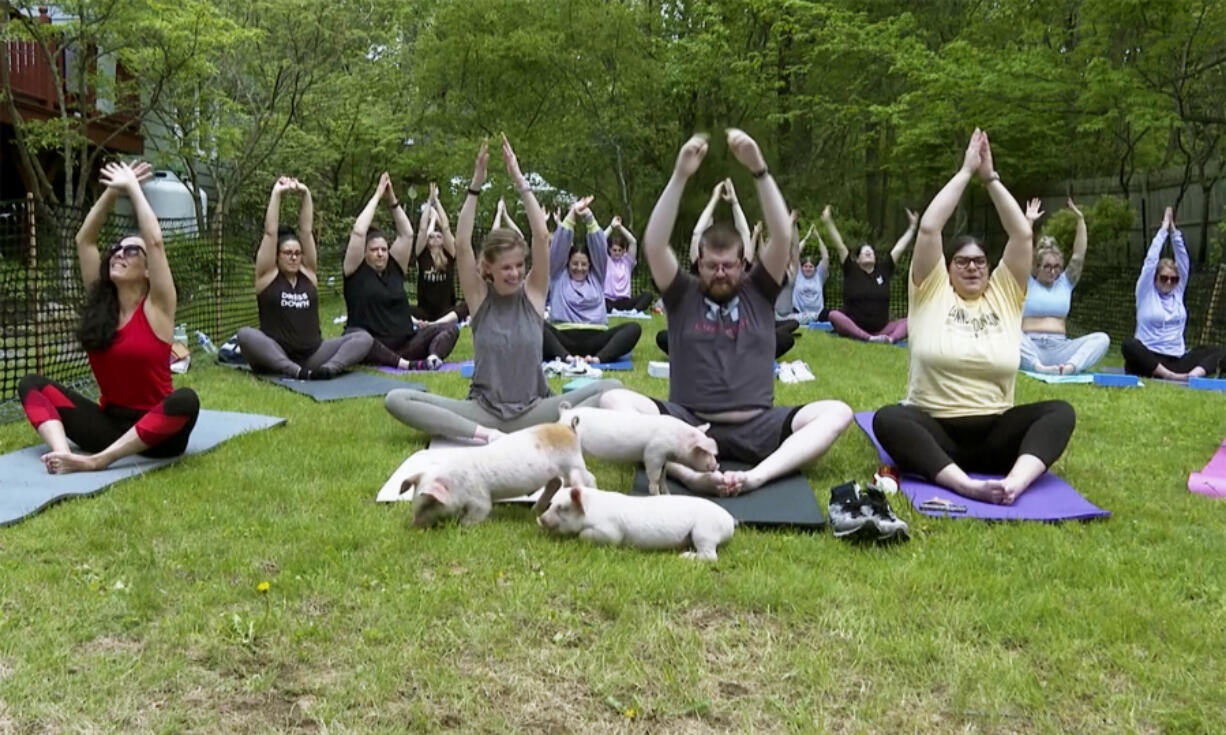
[1211,480]
[447,367]
[1050,498]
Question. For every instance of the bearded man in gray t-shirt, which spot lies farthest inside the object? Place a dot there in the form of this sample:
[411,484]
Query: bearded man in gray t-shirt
[721,339]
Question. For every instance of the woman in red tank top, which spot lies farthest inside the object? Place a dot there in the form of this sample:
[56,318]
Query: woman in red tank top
[127,324]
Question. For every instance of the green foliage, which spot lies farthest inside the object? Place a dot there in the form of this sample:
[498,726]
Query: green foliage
[1109,223]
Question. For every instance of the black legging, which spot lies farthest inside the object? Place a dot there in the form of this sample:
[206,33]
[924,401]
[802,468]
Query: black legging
[988,444]
[165,428]
[429,315]
[432,339]
[1140,360]
[607,345]
[784,339]
[639,303]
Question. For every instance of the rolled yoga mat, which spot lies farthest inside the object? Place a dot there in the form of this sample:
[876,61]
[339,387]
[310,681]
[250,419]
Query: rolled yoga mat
[1050,498]
[25,486]
[786,501]
[1211,480]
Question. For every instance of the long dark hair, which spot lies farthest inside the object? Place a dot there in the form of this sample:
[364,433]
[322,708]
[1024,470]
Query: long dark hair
[100,312]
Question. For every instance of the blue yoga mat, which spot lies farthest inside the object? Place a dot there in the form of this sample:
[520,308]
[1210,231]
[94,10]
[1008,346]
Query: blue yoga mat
[25,486]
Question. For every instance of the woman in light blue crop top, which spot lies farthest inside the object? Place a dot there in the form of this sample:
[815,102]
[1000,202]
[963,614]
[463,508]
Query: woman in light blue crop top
[1046,347]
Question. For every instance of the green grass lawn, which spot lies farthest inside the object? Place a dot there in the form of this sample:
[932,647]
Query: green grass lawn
[139,610]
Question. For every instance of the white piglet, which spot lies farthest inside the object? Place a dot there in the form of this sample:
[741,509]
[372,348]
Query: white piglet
[655,441]
[466,481]
[643,522]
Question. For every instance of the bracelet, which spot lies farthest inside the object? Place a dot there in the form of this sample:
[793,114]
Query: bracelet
[524,190]
[393,205]
[474,192]
[992,177]
[759,174]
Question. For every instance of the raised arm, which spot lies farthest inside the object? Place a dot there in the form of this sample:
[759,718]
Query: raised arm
[704,219]
[1183,265]
[266,256]
[472,285]
[160,304]
[537,283]
[823,265]
[632,244]
[738,218]
[1019,248]
[560,242]
[87,237]
[928,254]
[775,253]
[597,244]
[900,247]
[660,257]
[425,226]
[1080,242]
[504,218]
[402,247]
[355,251]
[306,232]
[840,250]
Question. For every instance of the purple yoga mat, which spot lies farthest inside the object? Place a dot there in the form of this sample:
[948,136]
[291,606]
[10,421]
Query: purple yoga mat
[447,367]
[1050,498]
[1211,480]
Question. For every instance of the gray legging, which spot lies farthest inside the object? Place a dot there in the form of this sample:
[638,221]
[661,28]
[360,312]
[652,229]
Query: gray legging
[334,355]
[459,419]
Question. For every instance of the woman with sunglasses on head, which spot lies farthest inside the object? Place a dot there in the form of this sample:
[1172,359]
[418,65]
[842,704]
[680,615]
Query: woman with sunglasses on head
[1157,348]
[1046,347]
[965,328]
[127,325]
[288,341]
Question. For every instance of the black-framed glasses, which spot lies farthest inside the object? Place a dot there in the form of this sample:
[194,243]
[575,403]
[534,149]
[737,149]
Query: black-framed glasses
[1053,267]
[128,251]
[1168,279]
[963,262]
[292,253]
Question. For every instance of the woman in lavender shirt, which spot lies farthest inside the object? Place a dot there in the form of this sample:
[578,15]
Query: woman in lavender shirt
[1157,349]
[576,296]
[623,253]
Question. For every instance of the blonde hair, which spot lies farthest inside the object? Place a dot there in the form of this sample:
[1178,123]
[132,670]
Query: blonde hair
[1046,246]
[498,241]
[1166,263]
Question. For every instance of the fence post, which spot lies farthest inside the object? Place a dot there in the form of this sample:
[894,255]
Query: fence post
[1214,297]
[33,276]
[217,278]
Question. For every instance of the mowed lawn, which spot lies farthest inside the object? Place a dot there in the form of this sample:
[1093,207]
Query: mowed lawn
[140,610]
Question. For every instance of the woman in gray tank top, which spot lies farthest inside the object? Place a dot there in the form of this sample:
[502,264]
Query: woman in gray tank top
[508,389]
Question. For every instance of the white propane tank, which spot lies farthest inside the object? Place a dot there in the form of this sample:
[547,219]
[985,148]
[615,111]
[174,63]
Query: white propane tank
[171,200]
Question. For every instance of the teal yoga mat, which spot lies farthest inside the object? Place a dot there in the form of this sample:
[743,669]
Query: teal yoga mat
[26,488]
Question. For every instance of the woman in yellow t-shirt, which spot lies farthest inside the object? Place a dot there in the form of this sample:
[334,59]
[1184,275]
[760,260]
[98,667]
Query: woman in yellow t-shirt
[965,330]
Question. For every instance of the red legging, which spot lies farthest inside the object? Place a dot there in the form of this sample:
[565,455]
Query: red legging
[165,427]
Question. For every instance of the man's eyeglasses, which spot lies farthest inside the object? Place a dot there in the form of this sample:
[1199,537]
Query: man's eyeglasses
[962,262]
[1168,279]
[128,251]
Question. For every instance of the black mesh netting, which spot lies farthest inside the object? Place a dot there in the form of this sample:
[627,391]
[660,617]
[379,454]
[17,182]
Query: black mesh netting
[41,294]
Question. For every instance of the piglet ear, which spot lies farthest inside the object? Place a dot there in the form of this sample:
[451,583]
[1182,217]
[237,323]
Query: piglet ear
[703,427]
[410,482]
[576,499]
[574,424]
[551,488]
[437,492]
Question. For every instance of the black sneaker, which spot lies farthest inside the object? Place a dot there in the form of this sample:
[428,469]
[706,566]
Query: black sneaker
[889,526]
[847,513]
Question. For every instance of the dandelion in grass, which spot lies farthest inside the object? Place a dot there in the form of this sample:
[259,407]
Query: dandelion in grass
[263,587]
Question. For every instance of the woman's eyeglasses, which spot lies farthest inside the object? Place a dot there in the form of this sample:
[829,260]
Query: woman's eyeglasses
[963,263]
[1168,279]
[128,251]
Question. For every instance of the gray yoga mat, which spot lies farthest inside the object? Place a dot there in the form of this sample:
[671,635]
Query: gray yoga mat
[349,385]
[787,501]
[25,486]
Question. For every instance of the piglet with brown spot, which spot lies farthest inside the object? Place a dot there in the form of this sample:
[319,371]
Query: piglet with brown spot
[465,482]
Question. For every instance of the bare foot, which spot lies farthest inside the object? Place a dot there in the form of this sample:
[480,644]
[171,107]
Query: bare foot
[736,483]
[989,491]
[1011,493]
[708,483]
[63,463]
[1041,368]
[1067,368]
[1196,372]
[880,339]
[591,359]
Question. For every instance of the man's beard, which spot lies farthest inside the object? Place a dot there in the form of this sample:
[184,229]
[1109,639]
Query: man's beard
[721,292]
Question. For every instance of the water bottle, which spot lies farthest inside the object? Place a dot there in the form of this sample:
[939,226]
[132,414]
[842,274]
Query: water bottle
[181,333]
[206,343]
